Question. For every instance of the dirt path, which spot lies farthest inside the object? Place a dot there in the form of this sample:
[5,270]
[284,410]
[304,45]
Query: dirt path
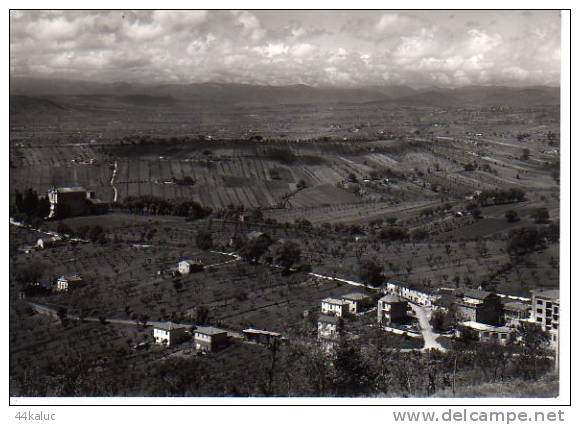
[115,192]
[49,311]
[429,336]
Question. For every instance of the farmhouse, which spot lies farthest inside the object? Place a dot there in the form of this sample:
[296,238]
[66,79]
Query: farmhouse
[546,312]
[208,338]
[485,333]
[392,310]
[48,242]
[189,266]
[67,201]
[357,302]
[169,333]
[261,337]
[339,308]
[474,305]
[515,312]
[64,283]
[74,201]
[412,292]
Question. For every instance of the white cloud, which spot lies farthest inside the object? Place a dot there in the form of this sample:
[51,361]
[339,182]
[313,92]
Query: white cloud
[285,48]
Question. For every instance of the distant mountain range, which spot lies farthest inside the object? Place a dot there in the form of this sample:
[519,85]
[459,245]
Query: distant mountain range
[45,93]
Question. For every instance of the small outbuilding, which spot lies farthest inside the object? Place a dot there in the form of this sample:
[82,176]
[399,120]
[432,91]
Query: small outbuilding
[189,266]
[68,282]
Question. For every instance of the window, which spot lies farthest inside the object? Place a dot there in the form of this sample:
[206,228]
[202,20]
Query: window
[503,336]
[556,310]
[539,302]
[548,305]
[539,311]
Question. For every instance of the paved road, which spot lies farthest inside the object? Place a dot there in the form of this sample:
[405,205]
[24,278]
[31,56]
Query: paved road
[428,335]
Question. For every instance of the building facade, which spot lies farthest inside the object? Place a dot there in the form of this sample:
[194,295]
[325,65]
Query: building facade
[357,302]
[334,306]
[169,333]
[479,306]
[392,310]
[208,338]
[546,312]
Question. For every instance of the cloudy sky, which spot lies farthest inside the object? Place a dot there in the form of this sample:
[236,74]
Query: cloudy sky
[321,48]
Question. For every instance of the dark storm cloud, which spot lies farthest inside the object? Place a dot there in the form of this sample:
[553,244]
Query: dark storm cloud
[272,47]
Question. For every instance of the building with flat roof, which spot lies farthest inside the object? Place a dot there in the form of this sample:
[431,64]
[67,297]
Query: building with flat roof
[546,312]
[486,333]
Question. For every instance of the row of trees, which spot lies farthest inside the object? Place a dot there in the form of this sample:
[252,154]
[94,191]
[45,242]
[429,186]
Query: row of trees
[29,207]
[158,206]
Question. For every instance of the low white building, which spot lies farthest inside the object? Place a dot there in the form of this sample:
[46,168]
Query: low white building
[189,266]
[65,283]
[411,292]
[335,306]
[486,333]
[169,333]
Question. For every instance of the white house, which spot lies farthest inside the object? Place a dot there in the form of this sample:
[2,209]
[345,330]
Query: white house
[48,242]
[168,333]
[64,283]
[334,306]
[188,266]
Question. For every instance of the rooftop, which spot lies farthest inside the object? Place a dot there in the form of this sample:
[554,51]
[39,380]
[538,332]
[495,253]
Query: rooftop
[71,277]
[355,296]
[483,327]
[392,299]
[209,330]
[553,294]
[70,189]
[190,261]
[258,331]
[334,301]
[476,294]
[169,326]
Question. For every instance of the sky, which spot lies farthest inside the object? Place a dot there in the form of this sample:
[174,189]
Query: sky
[317,48]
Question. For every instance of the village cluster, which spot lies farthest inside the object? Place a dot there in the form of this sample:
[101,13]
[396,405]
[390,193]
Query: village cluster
[402,308]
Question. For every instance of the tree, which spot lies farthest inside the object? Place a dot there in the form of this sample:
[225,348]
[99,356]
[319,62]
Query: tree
[287,254]
[541,215]
[511,216]
[201,315]
[535,342]
[29,273]
[204,240]
[525,240]
[253,249]
[525,154]
[371,271]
